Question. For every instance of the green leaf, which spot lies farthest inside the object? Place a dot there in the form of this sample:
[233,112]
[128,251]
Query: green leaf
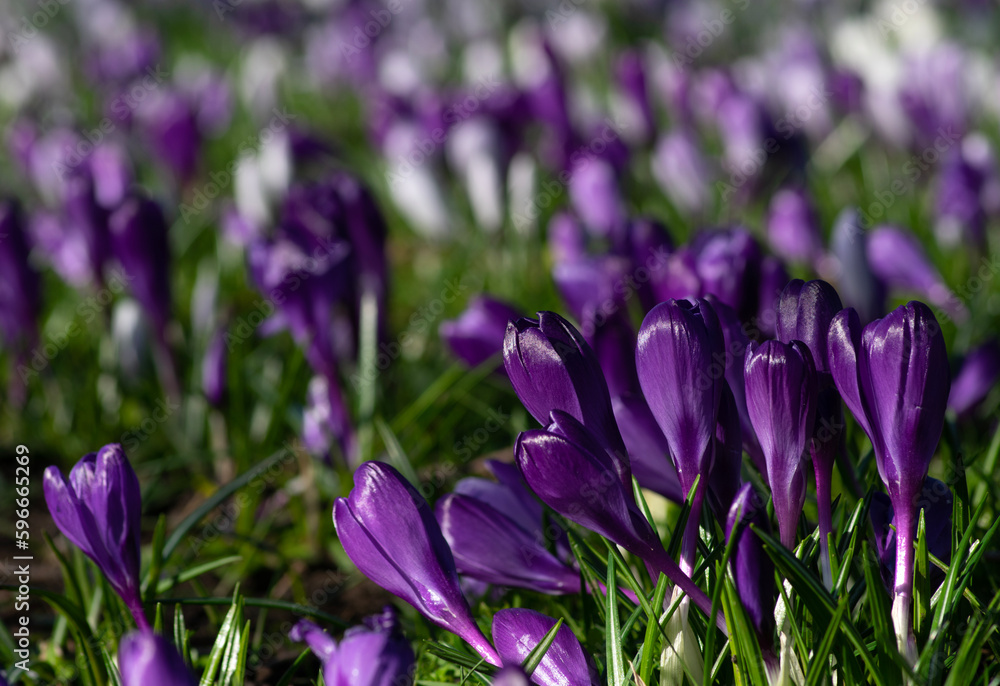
[613,638]
[181,635]
[155,560]
[650,643]
[218,497]
[921,578]
[290,673]
[188,574]
[222,641]
[819,661]
[538,652]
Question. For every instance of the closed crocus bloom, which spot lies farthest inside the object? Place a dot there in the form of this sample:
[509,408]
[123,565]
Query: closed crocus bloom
[517,631]
[552,367]
[898,259]
[680,361]
[752,568]
[792,227]
[99,509]
[326,422]
[375,654]
[630,75]
[139,239]
[477,334]
[968,175]
[773,279]
[169,125]
[728,263]
[389,532]
[147,659]
[894,377]
[573,473]
[804,314]
[978,375]
[648,450]
[781,399]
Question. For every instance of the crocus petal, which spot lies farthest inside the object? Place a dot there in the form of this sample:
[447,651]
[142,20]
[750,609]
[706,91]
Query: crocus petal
[517,631]
[679,342]
[146,659]
[321,643]
[781,391]
[511,676]
[389,532]
[552,367]
[752,567]
[491,547]
[804,314]
[843,344]
[648,450]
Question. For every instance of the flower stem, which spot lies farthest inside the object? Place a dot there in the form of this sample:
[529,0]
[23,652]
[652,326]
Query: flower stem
[901,604]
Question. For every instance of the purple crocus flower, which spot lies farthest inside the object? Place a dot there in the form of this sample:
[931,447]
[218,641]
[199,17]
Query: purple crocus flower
[781,392]
[389,531]
[138,232]
[169,125]
[680,361]
[726,476]
[752,568]
[682,171]
[773,279]
[978,375]
[898,259]
[596,197]
[572,472]
[631,77]
[968,175]
[496,533]
[375,654]
[804,314]
[326,421]
[516,632]
[728,265]
[792,227]
[894,378]
[147,659]
[99,509]
[551,368]
[477,334]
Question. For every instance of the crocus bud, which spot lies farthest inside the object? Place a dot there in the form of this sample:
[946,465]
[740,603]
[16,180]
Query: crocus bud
[147,659]
[326,422]
[729,266]
[773,279]
[752,568]
[781,399]
[375,654]
[792,227]
[804,314]
[573,473]
[894,378]
[680,360]
[551,368]
[517,631]
[477,334]
[139,239]
[975,379]
[389,532]
[99,509]
[968,177]
[898,259]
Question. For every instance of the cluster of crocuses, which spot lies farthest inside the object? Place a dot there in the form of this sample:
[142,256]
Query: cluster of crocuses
[891,374]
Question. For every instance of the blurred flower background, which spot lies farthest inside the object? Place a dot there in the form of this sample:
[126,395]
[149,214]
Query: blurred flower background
[235,229]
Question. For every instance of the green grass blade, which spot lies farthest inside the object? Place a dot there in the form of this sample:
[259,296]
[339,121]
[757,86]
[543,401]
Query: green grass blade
[613,637]
[538,652]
